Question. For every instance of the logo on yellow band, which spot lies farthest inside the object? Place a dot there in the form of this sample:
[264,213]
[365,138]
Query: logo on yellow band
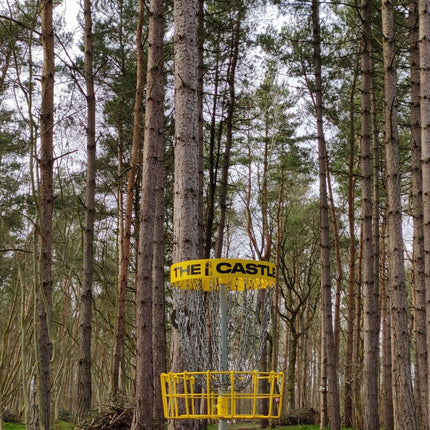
[208,274]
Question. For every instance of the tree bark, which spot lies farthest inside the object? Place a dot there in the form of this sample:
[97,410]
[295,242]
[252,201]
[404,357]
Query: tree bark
[149,243]
[44,347]
[186,199]
[84,375]
[200,24]
[326,302]
[156,77]
[424,50]
[357,352]
[419,310]
[339,269]
[349,365]
[370,295]
[403,401]
[386,380]
[229,136]
[125,239]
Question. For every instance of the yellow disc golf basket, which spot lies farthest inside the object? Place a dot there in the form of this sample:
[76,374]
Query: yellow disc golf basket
[181,399]
[224,393]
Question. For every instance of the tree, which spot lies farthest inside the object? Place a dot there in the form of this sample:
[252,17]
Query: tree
[301,293]
[149,243]
[424,51]
[349,365]
[155,123]
[44,344]
[370,305]
[231,101]
[114,57]
[420,344]
[387,374]
[328,360]
[84,376]
[126,224]
[186,199]
[403,402]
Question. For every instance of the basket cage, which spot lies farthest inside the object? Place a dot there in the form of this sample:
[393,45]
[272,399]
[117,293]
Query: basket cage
[222,395]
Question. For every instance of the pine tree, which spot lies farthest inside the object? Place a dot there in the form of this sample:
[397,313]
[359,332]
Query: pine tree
[44,345]
[84,391]
[403,402]
[186,240]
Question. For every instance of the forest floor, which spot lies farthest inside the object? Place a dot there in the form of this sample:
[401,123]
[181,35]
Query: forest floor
[255,426]
[59,425]
[120,418]
[247,426]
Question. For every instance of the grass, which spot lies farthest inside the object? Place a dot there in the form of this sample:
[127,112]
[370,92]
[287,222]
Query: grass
[59,425]
[62,425]
[14,426]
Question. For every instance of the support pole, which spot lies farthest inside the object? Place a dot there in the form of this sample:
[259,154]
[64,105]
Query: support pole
[223,354]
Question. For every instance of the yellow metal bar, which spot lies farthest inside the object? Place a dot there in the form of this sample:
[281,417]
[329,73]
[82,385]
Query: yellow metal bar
[164,396]
[175,394]
[186,395]
[272,388]
[192,395]
[255,383]
[233,394]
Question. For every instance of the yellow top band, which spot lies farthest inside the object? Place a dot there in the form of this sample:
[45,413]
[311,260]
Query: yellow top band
[208,274]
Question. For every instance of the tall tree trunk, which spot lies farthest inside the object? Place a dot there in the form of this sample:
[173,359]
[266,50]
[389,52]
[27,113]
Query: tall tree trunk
[47,202]
[349,365]
[263,252]
[421,372]
[84,374]
[125,239]
[156,77]
[213,165]
[370,295]
[200,24]
[424,48]
[149,243]
[158,294]
[357,343]
[285,360]
[375,193]
[323,400]
[292,360]
[186,240]
[120,305]
[234,49]
[339,268]
[403,401]
[275,310]
[326,305]
[386,379]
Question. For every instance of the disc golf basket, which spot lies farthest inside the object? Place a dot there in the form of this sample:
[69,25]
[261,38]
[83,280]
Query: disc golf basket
[223,315]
